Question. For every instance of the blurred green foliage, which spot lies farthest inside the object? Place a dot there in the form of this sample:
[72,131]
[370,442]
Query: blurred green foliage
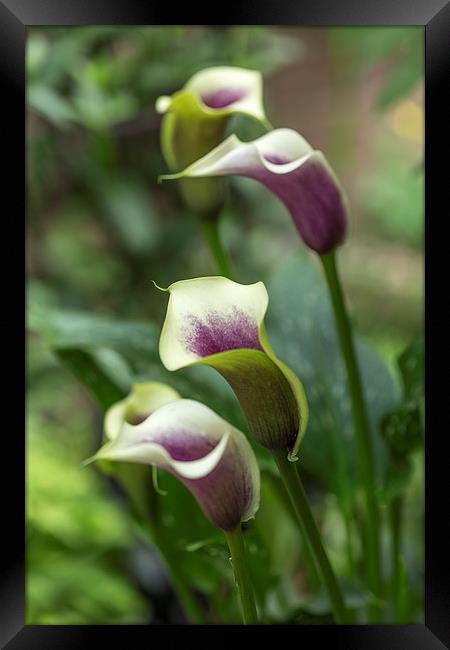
[100,229]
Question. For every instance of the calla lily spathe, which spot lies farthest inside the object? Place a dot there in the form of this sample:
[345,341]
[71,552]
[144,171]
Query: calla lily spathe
[220,91]
[195,119]
[300,176]
[212,458]
[143,400]
[218,322]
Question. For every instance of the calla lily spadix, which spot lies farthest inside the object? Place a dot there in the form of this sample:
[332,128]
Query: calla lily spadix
[300,176]
[213,459]
[195,119]
[220,323]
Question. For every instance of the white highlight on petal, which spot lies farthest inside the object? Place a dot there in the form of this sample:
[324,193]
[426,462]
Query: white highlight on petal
[144,398]
[233,156]
[198,298]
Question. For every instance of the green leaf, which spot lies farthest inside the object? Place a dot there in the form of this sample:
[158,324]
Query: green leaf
[405,75]
[127,205]
[402,430]
[135,341]
[411,363]
[85,368]
[46,102]
[302,331]
[398,476]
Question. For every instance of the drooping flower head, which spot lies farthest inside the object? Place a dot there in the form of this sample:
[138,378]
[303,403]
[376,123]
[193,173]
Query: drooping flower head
[195,119]
[213,459]
[301,177]
[218,322]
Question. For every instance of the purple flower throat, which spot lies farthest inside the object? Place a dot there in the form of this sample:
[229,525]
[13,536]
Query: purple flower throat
[223,97]
[218,333]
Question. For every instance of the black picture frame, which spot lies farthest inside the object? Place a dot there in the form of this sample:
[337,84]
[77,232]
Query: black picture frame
[434,16]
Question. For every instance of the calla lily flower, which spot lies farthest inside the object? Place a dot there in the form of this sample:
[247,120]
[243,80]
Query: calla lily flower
[301,177]
[220,323]
[195,119]
[213,459]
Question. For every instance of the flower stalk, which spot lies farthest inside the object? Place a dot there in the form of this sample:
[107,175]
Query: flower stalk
[395,520]
[236,544]
[366,461]
[211,231]
[295,489]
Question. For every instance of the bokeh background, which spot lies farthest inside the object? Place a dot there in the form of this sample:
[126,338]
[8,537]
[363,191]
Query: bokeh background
[100,228]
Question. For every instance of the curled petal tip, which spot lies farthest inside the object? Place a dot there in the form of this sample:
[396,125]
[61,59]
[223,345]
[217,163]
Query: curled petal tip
[158,287]
[163,104]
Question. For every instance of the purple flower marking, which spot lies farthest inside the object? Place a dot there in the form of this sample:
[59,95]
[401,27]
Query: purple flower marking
[313,199]
[223,98]
[275,159]
[218,333]
[231,480]
[225,492]
[183,445]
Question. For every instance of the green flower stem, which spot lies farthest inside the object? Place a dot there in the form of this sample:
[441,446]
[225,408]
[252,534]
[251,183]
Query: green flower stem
[395,516]
[294,486]
[366,461]
[145,510]
[211,231]
[184,592]
[236,545]
[310,560]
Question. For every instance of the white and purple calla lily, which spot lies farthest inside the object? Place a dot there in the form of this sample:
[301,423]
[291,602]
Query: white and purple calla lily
[220,91]
[212,458]
[218,322]
[194,122]
[298,175]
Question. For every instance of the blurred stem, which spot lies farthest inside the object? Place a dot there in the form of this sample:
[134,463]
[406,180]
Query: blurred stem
[236,545]
[349,545]
[211,231]
[146,514]
[310,560]
[395,518]
[294,486]
[366,460]
[185,595]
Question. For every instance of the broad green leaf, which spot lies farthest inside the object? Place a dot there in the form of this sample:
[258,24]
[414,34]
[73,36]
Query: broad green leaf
[403,428]
[411,364]
[46,102]
[302,331]
[85,367]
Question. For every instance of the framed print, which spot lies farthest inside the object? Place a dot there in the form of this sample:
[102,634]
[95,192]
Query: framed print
[228,345]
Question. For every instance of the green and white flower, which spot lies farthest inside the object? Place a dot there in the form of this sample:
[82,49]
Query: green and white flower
[194,122]
[220,323]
